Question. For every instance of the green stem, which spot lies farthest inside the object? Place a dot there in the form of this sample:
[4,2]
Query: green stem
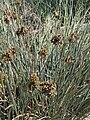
[12,98]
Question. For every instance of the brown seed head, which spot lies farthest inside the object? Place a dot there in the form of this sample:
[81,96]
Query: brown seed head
[69,59]
[17,2]
[57,14]
[18,32]
[22,31]
[47,88]
[56,40]
[7,20]
[34,82]
[73,37]
[43,52]
[14,15]
[8,55]
[34,77]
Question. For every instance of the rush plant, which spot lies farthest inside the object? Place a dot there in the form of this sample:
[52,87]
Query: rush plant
[44,64]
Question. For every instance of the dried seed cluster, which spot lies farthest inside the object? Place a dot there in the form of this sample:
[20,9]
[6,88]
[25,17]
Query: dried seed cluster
[7,19]
[69,59]
[57,14]
[43,52]
[9,54]
[34,78]
[73,37]
[34,81]
[17,2]
[56,40]
[22,31]
[48,88]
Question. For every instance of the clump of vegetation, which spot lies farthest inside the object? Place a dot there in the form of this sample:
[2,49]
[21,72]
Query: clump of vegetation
[44,63]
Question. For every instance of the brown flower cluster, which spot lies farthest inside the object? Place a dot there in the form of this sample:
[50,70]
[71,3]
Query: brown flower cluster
[34,83]
[56,40]
[69,59]
[35,78]
[10,15]
[43,52]
[73,37]
[14,15]
[47,87]
[9,55]
[22,31]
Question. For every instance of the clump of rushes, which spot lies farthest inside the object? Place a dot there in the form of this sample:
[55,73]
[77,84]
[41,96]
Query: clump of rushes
[73,37]
[57,40]
[22,31]
[34,82]
[69,59]
[43,52]
[9,55]
[48,88]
